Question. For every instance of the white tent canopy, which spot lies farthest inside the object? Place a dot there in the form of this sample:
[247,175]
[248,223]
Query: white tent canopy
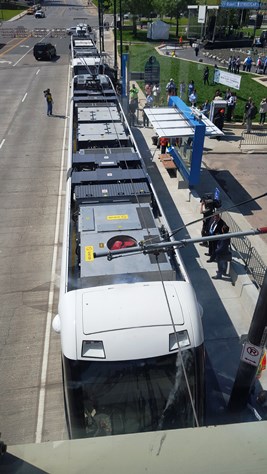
[158,30]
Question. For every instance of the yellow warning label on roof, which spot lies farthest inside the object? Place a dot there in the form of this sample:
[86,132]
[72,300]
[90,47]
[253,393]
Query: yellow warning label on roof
[89,253]
[118,217]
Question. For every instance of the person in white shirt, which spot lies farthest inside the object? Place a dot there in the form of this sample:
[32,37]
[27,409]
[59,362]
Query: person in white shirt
[156,93]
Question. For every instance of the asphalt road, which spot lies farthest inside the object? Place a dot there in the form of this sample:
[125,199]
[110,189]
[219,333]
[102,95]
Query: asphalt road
[33,149]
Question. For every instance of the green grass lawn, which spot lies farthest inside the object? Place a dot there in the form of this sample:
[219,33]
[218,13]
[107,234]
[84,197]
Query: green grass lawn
[5,15]
[185,71]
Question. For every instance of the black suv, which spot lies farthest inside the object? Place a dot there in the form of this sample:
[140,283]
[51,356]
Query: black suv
[44,51]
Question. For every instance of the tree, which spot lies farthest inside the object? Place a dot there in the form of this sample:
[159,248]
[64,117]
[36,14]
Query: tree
[137,8]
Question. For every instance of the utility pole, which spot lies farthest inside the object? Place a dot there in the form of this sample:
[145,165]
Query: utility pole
[115,40]
[253,350]
[101,26]
[177,20]
[121,33]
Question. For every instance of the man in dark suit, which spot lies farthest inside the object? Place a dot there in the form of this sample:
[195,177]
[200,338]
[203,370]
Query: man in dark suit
[215,228]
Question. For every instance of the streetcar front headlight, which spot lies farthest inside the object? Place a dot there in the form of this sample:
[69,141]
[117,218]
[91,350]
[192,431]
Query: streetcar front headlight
[183,340]
[93,349]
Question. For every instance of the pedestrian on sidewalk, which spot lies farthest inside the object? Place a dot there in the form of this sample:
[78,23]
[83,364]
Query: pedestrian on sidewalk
[196,50]
[237,65]
[222,254]
[230,107]
[247,106]
[134,94]
[170,89]
[149,103]
[251,114]
[49,101]
[156,93]
[263,110]
[132,111]
[148,89]
[247,64]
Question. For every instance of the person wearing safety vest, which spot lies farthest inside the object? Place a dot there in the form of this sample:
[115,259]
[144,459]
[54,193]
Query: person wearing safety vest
[134,94]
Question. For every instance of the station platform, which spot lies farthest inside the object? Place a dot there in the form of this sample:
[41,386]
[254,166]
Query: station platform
[228,304]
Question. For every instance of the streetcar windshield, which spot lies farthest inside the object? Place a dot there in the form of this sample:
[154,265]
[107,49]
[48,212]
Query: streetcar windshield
[110,398]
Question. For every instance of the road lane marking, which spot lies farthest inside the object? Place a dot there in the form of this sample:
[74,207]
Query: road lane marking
[37,72]
[49,314]
[15,45]
[22,57]
[25,95]
[2,143]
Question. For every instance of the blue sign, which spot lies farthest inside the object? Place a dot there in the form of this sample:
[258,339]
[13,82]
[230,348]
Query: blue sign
[241,5]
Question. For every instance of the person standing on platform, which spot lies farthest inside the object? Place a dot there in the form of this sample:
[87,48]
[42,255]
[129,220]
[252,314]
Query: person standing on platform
[207,209]
[215,228]
[163,141]
[149,103]
[132,111]
[134,94]
[222,254]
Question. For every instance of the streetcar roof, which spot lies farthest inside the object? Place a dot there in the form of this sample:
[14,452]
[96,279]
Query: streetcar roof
[129,320]
[86,61]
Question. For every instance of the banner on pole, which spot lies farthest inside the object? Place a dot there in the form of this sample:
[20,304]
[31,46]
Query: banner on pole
[201,13]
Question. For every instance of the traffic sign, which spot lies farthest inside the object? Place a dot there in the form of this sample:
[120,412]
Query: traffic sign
[240,5]
[251,354]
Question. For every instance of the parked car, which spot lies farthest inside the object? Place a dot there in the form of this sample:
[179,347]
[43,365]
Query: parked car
[40,14]
[30,11]
[44,51]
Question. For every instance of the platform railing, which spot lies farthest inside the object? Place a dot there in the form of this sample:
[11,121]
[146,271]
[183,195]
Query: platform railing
[253,263]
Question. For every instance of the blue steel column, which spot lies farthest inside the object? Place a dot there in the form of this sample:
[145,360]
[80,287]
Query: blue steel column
[192,175]
[124,74]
